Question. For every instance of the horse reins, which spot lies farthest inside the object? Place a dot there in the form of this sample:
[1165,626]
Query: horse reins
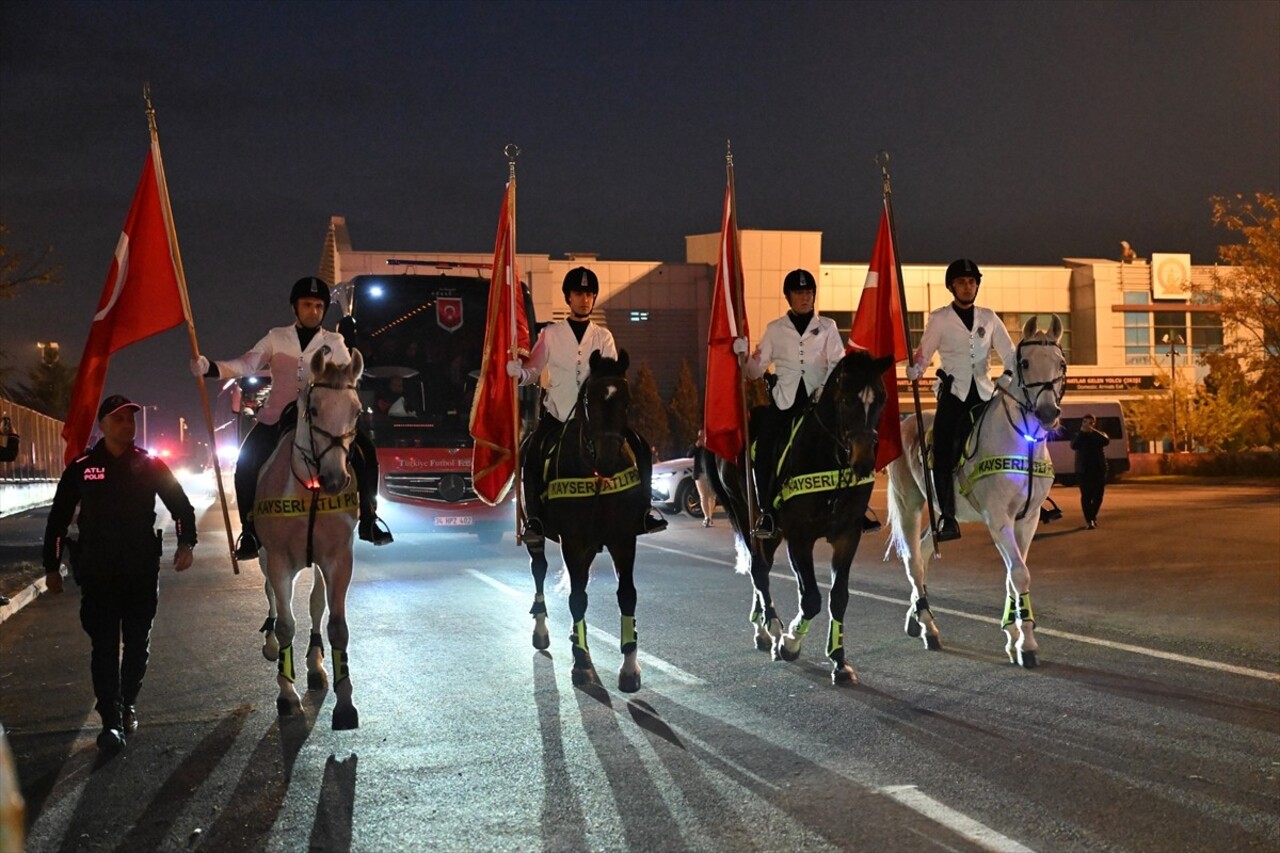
[312,461]
[1027,405]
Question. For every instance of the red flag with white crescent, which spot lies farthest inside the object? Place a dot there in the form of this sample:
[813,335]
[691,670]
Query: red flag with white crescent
[878,328]
[723,411]
[494,410]
[141,298]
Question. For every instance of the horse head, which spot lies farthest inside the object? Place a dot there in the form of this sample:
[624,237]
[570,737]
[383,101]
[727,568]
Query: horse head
[603,401]
[328,409]
[855,393]
[1041,372]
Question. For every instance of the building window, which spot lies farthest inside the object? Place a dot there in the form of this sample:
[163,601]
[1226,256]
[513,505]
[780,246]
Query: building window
[1145,333]
[843,321]
[639,316]
[915,328]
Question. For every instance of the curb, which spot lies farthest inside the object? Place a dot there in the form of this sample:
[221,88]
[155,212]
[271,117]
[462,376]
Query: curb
[22,599]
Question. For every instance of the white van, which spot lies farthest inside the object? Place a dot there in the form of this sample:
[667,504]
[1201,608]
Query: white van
[1110,420]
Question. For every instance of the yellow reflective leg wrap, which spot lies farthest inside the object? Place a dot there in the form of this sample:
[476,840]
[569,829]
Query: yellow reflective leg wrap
[580,635]
[1024,608]
[799,627]
[341,665]
[285,664]
[629,635]
[1007,618]
[835,637]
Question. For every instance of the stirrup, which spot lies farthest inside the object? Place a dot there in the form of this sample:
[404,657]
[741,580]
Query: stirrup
[653,523]
[375,530]
[247,545]
[765,528]
[870,524]
[532,535]
[947,530]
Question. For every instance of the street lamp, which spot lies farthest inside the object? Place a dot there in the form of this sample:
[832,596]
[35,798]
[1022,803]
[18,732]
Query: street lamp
[145,445]
[1174,341]
[48,352]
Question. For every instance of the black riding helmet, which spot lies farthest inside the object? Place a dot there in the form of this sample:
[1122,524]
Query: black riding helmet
[310,287]
[963,268]
[582,280]
[798,280]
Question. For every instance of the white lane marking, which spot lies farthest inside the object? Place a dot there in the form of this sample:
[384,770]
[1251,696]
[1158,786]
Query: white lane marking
[961,824]
[644,657]
[1217,666]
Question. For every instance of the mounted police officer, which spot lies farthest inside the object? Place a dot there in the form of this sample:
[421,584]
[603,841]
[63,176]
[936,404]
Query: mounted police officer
[286,351]
[963,335]
[803,348]
[117,561]
[563,352]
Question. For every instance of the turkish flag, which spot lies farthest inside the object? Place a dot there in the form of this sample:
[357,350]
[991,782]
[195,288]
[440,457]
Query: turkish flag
[494,414]
[140,298]
[723,411]
[878,328]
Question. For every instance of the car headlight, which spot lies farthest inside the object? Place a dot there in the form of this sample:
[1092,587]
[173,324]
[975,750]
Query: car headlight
[660,486]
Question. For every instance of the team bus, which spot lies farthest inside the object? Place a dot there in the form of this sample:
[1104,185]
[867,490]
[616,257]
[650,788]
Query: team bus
[1110,420]
[422,338]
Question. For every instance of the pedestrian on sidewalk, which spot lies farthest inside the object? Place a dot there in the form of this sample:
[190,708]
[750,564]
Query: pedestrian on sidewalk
[706,494]
[115,484]
[1091,467]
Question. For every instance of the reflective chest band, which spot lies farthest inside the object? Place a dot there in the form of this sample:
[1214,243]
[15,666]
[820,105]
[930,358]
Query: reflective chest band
[1006,465]
[819,481]
[589,487]
[348,502]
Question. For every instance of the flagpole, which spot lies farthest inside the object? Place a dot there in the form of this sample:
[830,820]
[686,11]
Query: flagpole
[513,151]
[882,159]
[738,317]
[186,310]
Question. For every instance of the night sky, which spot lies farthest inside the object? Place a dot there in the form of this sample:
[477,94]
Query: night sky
[1020,133]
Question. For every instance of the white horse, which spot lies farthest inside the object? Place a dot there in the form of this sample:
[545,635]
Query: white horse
[305,513]
[1003,476]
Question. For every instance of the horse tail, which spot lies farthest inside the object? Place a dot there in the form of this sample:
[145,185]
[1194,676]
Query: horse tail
[906,495]
[728,483]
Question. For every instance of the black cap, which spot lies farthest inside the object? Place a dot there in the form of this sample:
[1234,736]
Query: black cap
[963,268]
[582,280]
[115,403]
[798,280]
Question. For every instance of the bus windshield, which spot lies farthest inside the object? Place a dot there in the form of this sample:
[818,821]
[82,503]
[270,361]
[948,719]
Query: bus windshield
[422,338]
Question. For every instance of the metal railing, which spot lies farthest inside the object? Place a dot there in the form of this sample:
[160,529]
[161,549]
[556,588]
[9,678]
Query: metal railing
[39,445]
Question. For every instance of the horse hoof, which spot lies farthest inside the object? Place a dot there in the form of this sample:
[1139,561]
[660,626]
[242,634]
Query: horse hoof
[584,677]
[345,719]
[270,652]
[932,643]
[287,707]
[317,680]
[843,675]
[1028,660]
[913,624]
[542,639]
[762,643]
[781,652]
[628,682]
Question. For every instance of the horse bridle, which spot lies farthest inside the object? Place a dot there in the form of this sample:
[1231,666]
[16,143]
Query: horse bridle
[1032,391]
[313,458]
[843,445]
[585,433]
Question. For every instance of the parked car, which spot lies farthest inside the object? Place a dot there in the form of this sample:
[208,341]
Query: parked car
[673,489]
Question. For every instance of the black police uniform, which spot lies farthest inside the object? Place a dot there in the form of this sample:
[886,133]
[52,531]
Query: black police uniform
[118,560]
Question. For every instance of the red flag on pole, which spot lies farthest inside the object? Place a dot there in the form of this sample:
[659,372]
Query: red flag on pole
[494,417]
[140,298]
[878,328]
[723,415]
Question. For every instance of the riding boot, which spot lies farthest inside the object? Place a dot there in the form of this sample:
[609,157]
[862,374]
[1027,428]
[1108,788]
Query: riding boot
[651,521]
[948,529]
[247,544]
[255,449]
[534,533]
[364,457]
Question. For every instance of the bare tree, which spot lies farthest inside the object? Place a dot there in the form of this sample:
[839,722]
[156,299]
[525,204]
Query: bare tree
[17,270]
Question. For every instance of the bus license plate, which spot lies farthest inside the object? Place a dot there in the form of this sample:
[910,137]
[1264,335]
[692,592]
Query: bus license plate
[454,521]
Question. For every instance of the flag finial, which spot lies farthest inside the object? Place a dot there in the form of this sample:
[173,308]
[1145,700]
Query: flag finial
[512,151]
[728,152]
[882,160]
[151,110]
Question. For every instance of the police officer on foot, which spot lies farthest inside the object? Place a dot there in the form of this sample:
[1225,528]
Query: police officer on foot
[115,486]
[803,348]
[286,351]
[564,351]
[962,334]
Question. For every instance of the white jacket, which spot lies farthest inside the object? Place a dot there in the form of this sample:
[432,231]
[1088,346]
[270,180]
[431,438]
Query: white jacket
[965,354]
[562,364]
[811,355]
[289,364]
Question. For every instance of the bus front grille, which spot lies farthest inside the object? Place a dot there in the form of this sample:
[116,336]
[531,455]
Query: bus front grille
[430,488]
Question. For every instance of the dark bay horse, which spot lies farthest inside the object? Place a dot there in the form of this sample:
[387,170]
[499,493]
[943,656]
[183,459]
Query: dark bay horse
[594,500]
[305,513]
[825,476]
